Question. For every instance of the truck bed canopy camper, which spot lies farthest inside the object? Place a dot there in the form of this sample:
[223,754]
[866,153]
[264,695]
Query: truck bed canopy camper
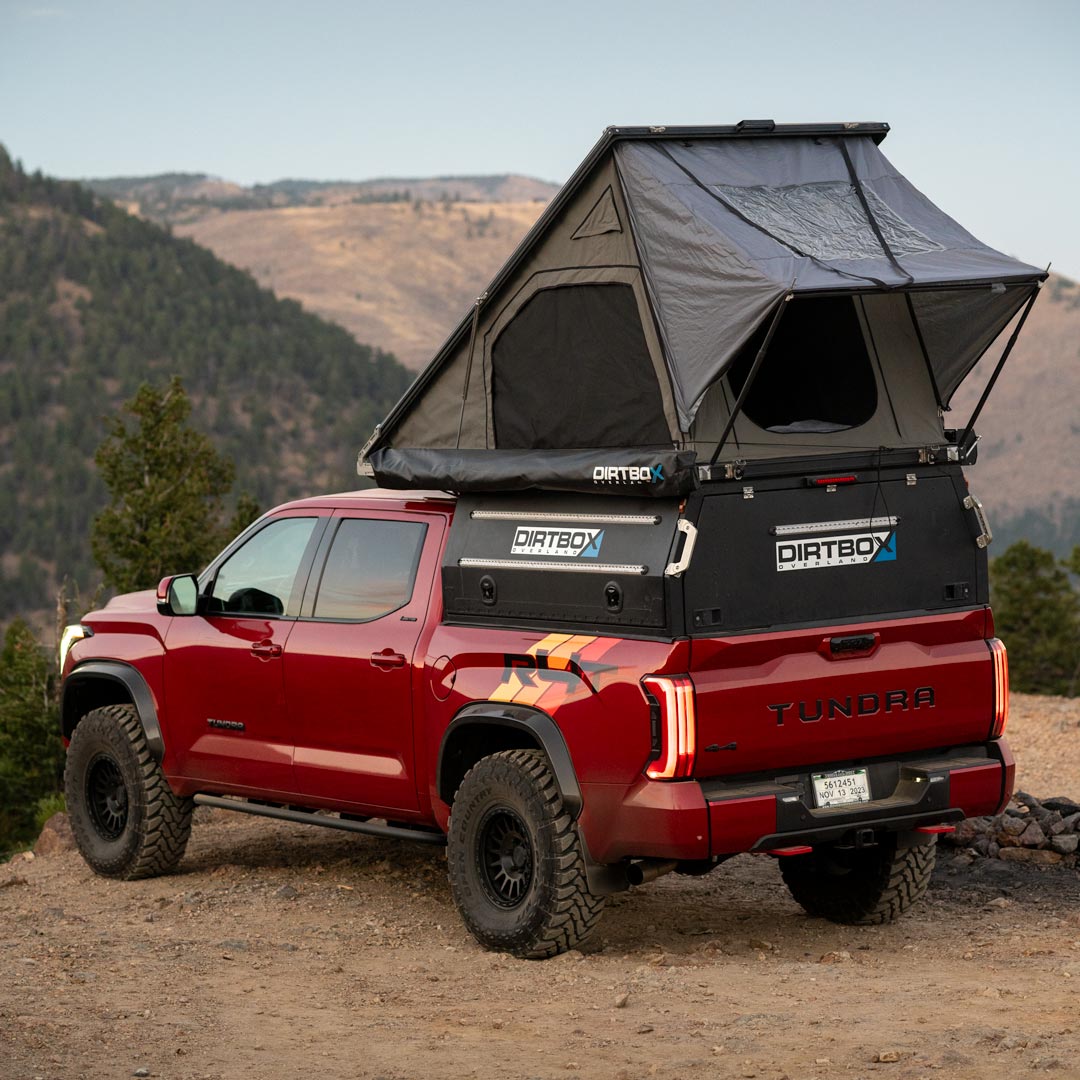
[698,296]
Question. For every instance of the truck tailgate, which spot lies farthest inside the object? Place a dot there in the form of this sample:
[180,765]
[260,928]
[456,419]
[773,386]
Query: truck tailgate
[801,697]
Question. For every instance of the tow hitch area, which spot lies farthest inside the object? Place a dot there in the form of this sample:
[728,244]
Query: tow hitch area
[859,839]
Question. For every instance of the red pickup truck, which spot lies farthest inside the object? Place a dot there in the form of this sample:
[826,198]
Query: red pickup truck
[577,693]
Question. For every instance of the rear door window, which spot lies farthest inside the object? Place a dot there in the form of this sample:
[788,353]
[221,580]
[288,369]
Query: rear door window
[370,570]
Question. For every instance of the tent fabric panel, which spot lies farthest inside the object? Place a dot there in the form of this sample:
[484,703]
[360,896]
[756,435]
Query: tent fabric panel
[435,423]
[691,271]
[959,325]
[572,369]
[903,370]
[714,270]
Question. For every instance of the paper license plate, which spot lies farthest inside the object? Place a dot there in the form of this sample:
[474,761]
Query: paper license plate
[841,787]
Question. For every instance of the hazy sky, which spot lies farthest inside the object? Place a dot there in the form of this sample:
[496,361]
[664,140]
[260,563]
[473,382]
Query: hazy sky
[982,96]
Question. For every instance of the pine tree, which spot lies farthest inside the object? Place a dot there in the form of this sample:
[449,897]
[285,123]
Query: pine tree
[166,483]
[1037,615]
[31,753]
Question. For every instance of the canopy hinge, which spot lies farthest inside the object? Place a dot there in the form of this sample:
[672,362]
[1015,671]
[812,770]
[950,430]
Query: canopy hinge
[362,466]
[931,455]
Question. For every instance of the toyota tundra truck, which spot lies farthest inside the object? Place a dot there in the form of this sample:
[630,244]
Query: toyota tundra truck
[575,693]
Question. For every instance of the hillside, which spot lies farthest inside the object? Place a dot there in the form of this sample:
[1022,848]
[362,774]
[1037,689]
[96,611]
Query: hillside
[401,274]
[172,198]
[93,302]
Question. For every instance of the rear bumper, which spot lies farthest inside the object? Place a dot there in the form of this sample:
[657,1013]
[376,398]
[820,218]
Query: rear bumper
[905,794]
[696,820]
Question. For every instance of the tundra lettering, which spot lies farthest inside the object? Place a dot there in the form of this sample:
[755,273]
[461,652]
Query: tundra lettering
[866,705]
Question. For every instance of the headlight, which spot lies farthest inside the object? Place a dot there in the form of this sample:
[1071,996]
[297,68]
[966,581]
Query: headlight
[74,632]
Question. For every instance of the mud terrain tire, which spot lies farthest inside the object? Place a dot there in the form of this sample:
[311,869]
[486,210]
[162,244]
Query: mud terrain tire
[126,820]
[874,885]
[516,868]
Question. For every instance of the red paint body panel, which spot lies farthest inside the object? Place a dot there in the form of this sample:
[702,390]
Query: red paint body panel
[738,824]
[738,679]
[645,819]
[212,673]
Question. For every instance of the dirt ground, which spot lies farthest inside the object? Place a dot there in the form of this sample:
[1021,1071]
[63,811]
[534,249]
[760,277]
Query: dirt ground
[280,951]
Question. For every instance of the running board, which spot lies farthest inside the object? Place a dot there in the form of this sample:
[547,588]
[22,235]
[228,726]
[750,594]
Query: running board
[308,817]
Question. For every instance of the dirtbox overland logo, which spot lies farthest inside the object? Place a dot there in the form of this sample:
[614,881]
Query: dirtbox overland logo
[628,474]
[847,549]
[570,543]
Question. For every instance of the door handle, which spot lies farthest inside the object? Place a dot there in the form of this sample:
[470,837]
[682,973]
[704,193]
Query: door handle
[266,648]
[387,659]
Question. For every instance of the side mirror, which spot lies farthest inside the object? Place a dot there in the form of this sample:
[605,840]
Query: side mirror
[178,594]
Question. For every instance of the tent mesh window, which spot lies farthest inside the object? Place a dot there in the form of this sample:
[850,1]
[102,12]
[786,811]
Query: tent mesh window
[572,369]
[817,375]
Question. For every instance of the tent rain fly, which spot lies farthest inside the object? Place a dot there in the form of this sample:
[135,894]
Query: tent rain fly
[628,324]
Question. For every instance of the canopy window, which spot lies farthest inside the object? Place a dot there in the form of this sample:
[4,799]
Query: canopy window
[572,369]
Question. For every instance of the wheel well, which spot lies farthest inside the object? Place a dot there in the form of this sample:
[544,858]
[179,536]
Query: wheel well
[86,694]
[471,742]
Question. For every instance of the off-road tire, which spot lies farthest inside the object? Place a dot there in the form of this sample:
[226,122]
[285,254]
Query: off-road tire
[535,910]
[863,887]
[139,831]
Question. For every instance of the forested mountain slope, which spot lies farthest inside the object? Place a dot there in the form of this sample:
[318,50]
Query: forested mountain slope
[94,301]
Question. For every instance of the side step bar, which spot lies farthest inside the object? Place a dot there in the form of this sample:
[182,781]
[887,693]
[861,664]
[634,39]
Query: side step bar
[308,817]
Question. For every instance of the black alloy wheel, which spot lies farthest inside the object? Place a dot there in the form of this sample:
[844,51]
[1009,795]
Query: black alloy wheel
[106,797]
[506,857]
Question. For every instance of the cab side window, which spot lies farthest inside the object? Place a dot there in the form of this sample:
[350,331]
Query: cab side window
[258,578]
[370,570]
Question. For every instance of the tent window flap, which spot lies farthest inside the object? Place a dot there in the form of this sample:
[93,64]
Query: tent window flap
[572,369]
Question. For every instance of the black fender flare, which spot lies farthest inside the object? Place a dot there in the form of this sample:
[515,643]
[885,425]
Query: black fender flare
[522,718]
[137,688]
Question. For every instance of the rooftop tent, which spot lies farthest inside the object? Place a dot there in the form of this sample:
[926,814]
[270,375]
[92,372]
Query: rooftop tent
[627,325]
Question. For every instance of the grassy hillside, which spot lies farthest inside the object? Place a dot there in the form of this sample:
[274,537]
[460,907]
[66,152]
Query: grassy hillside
[398,273]
[94,301]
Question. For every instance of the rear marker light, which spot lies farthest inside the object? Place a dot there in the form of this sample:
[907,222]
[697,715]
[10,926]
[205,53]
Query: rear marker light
[671,701]
[798,849]
[1001,687]
[936,830]
[831,481]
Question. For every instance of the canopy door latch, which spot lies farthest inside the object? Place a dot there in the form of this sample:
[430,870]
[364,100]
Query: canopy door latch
[678,567]
[985,535]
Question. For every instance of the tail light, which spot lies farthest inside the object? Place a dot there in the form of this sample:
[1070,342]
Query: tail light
[1001,687]
[674,726]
